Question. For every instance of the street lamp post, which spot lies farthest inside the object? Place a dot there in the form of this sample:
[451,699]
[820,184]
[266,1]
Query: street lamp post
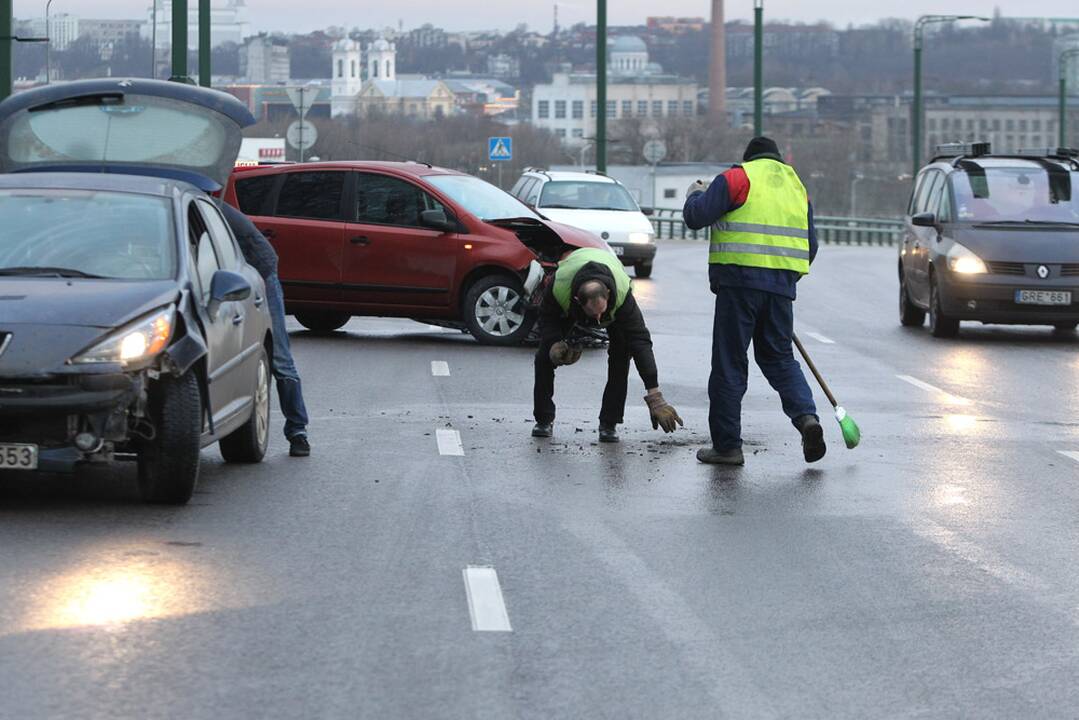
[858,177]
[48,44]
[601,85]
[916,109]
[1063,120]
[758,67]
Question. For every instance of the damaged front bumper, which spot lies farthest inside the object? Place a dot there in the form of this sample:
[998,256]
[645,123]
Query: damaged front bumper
[72,419]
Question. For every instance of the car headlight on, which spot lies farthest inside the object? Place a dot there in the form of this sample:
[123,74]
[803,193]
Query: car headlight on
[964,262]
[640,237]
[140,340]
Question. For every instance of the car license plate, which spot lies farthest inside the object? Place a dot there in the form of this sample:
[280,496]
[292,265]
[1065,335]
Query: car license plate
[618,250]
[18,457]
[1043,297]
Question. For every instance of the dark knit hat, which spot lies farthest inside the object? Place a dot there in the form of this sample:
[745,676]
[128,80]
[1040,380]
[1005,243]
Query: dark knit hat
[762,147]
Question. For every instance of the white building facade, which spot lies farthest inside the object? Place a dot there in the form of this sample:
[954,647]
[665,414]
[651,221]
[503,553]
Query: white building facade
[636,89]
[265,60]
[347,77]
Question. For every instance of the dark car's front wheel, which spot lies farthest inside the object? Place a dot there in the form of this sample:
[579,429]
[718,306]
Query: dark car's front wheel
[940,325]
[169,463]
[910,315]
[322,321]
[642,270]
[495,311]
[248,443]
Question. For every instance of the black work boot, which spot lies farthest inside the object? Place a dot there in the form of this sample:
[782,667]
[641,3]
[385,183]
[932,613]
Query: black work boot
[608,434]
[543,430]
[813,447]
[298,446]
[711,456]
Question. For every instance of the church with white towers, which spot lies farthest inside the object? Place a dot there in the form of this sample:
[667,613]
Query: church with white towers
[373,85]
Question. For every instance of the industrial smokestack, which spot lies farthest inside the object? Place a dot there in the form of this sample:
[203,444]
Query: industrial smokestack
[717,72]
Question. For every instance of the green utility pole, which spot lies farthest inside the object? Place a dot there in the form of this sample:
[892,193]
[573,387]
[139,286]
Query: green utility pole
[916,113]
[601,85]
[7,42]
[758,68]
[179,41]
[204,43]
[1063,120]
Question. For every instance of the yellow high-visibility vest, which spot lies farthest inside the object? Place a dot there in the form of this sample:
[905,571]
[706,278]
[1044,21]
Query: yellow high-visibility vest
[772,229]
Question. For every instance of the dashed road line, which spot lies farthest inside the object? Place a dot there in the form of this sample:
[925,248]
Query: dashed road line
[821,338]
[933,389]
[440,368]
[449,442]
[1070,454]
[486,607]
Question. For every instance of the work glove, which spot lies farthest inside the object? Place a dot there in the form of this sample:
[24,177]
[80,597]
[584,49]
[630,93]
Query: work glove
[562,354]
[698,186]
[663,414]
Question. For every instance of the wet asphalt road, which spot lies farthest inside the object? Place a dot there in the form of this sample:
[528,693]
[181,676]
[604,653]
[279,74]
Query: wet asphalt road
[929,573]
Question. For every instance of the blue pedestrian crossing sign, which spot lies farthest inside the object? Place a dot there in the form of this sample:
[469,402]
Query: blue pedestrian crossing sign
[500,148]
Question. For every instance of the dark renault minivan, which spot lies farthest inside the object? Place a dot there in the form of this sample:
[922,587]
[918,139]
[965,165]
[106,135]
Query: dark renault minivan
[992,238]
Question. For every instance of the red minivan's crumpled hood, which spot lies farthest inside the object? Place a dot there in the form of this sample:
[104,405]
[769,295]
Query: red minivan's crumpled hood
[578,238]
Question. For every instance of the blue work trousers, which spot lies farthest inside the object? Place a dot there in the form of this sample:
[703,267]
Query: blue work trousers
[289,389]
[767,320]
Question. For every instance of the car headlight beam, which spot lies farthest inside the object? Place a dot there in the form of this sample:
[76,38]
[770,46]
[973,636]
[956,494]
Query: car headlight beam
[964,262]
[140,340]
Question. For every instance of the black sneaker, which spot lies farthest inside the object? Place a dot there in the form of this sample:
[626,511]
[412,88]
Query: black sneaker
[711,456]
[813,447]
[298,446]
[543,430]
[608,434]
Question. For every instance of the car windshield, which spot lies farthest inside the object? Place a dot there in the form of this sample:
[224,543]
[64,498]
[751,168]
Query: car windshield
[1012,194]
[480,198]
[102,234]
[586,195]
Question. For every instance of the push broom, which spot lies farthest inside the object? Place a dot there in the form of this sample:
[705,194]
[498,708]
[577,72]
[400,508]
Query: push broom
[851,434]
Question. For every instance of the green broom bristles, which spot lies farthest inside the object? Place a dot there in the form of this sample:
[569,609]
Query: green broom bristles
[851,434]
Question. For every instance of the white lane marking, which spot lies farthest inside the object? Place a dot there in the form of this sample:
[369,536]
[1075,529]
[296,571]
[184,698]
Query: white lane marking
[440,368]
[820,338]
[1070,454]
[449,442]
[485,604]
[933,389]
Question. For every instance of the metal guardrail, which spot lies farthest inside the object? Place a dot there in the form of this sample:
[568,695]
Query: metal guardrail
[831,230]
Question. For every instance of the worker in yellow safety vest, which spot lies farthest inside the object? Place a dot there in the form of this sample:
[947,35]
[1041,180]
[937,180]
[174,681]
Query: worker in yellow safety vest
[762,242]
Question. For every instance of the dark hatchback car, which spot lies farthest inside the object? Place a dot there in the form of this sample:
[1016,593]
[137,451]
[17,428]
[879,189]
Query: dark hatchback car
[992,238]
[405,240]
[130,325]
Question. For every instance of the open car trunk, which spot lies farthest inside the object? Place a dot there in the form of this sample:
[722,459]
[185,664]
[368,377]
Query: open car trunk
[130,126]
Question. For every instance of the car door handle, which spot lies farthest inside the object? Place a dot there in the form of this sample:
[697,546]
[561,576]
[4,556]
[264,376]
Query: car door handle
[360,240]
[238,319]
[259,300]
[269,233]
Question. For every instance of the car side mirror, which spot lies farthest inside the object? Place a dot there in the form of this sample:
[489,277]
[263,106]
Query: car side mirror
[437,220]
[227,286]
[926,219]
[648,211]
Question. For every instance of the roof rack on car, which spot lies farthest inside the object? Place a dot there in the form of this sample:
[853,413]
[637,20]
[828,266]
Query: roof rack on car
[597,172]
[957,151]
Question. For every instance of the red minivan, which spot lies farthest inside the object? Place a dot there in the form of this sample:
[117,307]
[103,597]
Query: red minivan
[403,240]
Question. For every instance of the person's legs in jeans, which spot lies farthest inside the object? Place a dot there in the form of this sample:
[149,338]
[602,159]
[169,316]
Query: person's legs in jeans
[543,407]
[774,353]
[732,330]
[289,388]
[614,394]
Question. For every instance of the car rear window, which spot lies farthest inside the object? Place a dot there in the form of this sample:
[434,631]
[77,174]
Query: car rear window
[311,195]
[253,193]
[115,235]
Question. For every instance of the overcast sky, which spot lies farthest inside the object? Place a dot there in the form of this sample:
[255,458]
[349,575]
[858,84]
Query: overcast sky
[306,15]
